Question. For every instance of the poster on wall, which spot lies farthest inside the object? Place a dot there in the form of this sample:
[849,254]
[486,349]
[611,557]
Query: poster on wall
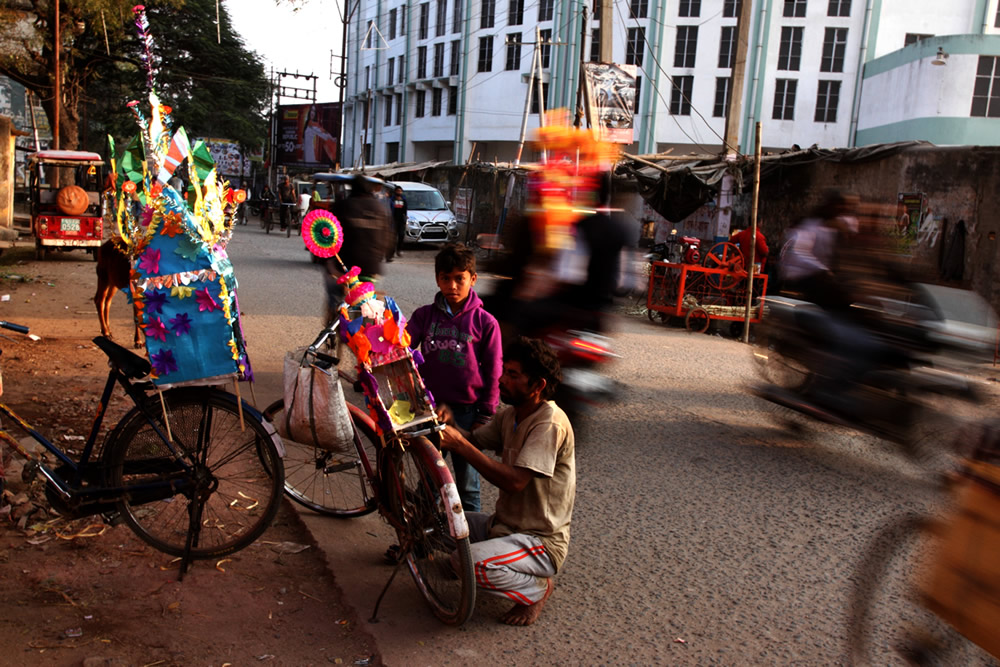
[308,135]
[228,158]
[611,98]
[909,209]
[462,204]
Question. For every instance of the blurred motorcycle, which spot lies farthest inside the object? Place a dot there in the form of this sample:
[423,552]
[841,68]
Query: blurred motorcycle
[583,357]
[905,393]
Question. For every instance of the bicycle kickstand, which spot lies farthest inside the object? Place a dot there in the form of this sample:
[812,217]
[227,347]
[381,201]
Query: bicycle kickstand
[194,530]
[385,589]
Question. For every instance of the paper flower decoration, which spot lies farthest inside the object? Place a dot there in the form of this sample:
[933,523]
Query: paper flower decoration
[163,362]
[128,187]
[150,262]
[205,301]
[155,300]
[350,276]
[181,291]
[188,249]
[181,324]
[376,336]
[172,224]
[322,233]
[147,216]
[155,329]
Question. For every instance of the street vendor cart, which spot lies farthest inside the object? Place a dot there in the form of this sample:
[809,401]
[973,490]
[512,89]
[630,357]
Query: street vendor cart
[699,294]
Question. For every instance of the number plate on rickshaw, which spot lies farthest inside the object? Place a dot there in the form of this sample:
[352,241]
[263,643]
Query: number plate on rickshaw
[69,224]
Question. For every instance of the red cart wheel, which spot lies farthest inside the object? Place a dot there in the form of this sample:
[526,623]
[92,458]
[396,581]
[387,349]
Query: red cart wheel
[697,320]
[726,256]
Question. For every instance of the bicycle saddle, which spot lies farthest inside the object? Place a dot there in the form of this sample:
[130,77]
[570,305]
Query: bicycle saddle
[129,363]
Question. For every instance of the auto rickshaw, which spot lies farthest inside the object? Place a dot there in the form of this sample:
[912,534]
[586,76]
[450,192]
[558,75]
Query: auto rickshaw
[65,190]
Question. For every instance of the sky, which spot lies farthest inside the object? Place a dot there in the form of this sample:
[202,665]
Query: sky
[293,41]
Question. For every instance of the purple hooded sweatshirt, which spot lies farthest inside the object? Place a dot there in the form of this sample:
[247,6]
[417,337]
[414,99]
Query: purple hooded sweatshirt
[462,353]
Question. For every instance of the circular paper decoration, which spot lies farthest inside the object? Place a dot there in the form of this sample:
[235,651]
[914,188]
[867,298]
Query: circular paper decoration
[322,233]
[72,200]
[359,294]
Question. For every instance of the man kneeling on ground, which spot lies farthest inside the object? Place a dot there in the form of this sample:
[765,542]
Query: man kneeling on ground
[519,549]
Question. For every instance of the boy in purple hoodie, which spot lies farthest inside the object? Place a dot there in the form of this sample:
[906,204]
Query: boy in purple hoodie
[462,353]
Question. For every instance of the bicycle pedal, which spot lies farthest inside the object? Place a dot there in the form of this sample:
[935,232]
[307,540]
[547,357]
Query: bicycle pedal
[112,518]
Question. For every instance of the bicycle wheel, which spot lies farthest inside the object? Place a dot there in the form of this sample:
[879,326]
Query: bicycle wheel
[328,482]
[235,474]
[440,565]
[888,624]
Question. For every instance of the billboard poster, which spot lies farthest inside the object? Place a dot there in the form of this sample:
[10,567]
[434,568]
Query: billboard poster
[611,97]
[228,158]
[308,135]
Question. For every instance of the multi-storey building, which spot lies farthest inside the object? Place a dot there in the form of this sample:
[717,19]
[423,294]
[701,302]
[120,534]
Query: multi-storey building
[447,79]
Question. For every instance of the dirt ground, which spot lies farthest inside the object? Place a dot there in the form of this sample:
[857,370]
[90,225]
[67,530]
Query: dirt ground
[84,593]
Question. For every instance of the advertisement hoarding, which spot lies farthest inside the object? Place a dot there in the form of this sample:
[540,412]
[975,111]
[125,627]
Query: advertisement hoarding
[611,97]
[308,135]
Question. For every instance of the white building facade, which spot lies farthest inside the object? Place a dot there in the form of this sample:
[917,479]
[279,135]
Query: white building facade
[447,79]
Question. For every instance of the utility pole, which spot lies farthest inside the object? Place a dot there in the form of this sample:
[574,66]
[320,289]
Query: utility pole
[578,120]
[731,138]
[57,97]
[607,34]
[753,236]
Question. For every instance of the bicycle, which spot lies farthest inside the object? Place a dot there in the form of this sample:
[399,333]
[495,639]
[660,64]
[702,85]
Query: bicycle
[926,590]
[191,472]
[400,473]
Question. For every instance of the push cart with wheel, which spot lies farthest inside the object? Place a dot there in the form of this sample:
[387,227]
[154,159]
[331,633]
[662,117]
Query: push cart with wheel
[699,294]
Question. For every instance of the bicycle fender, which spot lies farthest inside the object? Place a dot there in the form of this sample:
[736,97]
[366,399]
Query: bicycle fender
[458,526]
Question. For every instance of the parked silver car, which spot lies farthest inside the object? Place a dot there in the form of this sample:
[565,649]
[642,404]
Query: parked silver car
[429,218]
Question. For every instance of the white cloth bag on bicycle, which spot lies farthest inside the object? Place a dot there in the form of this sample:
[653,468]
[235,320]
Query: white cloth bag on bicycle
[315,409]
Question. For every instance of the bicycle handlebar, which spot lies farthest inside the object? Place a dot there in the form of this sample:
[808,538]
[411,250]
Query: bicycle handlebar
[20,328]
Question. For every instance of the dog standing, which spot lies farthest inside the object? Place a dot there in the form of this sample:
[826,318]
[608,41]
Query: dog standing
[113,269]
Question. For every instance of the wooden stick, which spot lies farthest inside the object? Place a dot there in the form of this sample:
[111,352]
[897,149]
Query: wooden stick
[166,419]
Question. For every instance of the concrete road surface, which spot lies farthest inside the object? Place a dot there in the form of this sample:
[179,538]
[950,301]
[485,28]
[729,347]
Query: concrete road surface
[704,531]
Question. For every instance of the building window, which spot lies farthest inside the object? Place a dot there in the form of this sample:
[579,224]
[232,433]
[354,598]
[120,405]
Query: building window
[368,153]
[436,101]
[402,20]
[687,44]
[595,45]
[486,54]
[392,24]
[421,62]
[452,100]
[996,21]
[914,37]
[456,54]
[723,84]
[513,51]
[370,35]
[365,108]
[827,97]
[391,152]
[731,8]
[635,46]
[486,17]
[516,14]
[402,69]
[546,48]
[784,99]
[456,16]
[839,8]
[439,59]
[368,77]
[795,8]
[986,93]
[534,97]
[834,45]
[388,110]
[790,50]
[420,103]
[638,9]
[425,11]
[727,47]
[441,19]
[390,70]
[399,109]
[680,95]
[689,8]
[546,8]
[638,90]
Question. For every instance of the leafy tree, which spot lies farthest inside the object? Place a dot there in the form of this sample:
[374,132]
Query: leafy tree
[217,88]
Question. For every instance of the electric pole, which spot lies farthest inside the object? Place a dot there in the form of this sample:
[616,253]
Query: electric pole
[731,138]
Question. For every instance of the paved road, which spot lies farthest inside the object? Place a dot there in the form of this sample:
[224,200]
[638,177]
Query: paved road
[703,532]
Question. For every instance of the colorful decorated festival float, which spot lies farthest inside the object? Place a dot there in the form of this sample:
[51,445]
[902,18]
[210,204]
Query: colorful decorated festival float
[182,285]
[375,331]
